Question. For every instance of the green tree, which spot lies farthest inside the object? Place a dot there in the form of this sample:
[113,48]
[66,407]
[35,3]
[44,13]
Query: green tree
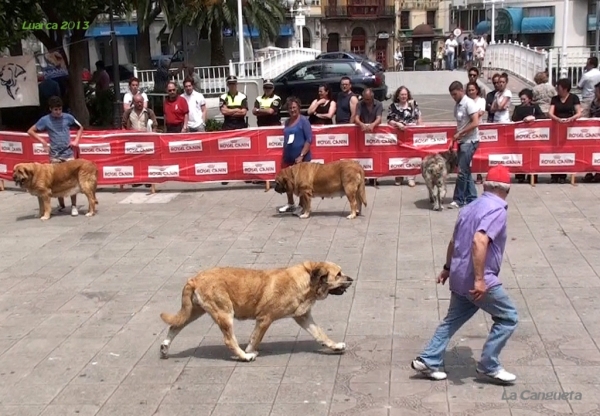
[215,15]
[59,11]
[12,15]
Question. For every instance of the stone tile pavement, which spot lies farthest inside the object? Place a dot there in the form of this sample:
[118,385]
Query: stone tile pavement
[80,300]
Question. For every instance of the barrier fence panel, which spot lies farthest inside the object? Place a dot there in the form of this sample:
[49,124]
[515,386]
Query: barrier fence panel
[255,154]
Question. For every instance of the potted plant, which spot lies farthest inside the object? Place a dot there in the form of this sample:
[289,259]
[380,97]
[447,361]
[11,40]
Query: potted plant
[423,64]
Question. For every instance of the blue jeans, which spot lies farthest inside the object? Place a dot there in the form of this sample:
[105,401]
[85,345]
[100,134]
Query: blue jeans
[498,304]
[450,61]
[465,191]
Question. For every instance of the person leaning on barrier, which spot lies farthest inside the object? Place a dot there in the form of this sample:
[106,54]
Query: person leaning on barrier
[346,103]
[594,113]
[267,108]
[368,116]
[526,112]
[403,112]
[139,118]
[322,109]
[564,108]
[234,106]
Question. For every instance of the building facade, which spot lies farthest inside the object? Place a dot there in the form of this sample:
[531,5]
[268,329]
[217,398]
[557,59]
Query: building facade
[538,24]
[368,27]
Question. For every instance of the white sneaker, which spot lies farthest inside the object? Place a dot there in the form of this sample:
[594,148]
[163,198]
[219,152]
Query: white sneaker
[411,183]
[74,211]
[453,205]
[418,365]
[501,375]
[287,208]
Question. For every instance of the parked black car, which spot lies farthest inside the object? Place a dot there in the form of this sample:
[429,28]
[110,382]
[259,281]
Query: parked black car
[303,79]
[125,72]
[348,55]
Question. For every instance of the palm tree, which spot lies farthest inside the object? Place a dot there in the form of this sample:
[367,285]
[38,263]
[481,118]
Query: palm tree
[215,15]
[146,12]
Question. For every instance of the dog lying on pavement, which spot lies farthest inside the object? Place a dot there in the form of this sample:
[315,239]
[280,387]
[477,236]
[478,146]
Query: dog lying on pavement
[262,295]
[435,169]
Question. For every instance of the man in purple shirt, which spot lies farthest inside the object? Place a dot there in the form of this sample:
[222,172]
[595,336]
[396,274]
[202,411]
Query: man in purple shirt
[473,264]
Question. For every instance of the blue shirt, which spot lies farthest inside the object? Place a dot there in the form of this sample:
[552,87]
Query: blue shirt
[58,129]
[487,214]
[294,138]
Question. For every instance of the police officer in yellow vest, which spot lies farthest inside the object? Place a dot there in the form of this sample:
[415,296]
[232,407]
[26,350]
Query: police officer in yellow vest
[268,107]
[234,106]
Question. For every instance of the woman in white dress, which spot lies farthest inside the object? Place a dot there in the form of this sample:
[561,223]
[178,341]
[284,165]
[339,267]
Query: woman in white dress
[502,99]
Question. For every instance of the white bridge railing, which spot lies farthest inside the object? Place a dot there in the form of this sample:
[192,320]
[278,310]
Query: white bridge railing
[213,78]
[524,62]
[516,59]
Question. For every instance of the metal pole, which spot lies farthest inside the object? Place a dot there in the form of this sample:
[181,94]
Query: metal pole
[493,22]
[301,34]
[240,18]
[597,28]
[115,61]
[563,61]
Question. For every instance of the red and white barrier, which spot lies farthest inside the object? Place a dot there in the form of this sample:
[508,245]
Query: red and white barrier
[255,154]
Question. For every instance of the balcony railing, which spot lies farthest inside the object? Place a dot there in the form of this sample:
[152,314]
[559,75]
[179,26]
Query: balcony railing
[359,11]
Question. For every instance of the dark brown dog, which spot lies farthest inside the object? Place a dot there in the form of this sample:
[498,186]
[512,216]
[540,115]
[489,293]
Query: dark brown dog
[48,180]
[263,295]
[309,180]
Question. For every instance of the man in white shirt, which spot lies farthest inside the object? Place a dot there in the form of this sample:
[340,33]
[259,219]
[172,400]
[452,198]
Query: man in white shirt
[134,89]
[398,59]
[450,52]
[588,81]
[197,106]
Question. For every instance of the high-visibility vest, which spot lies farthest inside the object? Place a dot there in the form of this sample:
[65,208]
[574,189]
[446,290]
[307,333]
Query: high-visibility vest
[267,102]
[231,122]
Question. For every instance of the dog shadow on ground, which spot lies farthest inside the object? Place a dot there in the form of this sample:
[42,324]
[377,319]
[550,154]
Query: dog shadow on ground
[316,214]
[425,204]
[266,349]
[36,216]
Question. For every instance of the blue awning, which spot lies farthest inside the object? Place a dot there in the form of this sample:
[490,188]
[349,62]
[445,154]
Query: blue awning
[516,18]
[591,22]
[285,30]
[120,30]
[483,27]
[538,24]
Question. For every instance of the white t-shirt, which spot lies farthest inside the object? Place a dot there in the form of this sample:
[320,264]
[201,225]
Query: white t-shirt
[588,82]
[480,103]
[451,45]
[195,102]
[502,116]
[128,98]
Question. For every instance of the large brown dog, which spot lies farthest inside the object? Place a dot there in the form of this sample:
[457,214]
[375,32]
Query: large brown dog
[309,180]
[263,295]
[53,180]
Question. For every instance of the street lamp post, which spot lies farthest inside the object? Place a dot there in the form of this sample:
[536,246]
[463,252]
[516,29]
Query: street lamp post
[240,19]
[493,17]
[563,61]
[299,15]
[115,61]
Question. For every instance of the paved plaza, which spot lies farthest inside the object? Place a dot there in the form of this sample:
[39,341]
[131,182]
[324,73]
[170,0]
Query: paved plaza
[81,297]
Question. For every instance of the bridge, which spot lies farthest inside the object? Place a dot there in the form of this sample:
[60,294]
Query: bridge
[523,62]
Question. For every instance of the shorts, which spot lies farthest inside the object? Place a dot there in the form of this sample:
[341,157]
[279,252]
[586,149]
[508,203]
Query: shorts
[61,160]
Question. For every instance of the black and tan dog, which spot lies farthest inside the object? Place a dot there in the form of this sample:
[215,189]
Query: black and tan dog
[54,180]
[262,295]
[435,169]
[309,180]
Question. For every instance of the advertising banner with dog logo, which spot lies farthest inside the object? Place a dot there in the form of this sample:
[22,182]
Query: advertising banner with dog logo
[256,153]
[18,82]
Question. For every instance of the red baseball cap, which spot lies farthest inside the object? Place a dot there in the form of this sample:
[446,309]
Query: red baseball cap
[498,173]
